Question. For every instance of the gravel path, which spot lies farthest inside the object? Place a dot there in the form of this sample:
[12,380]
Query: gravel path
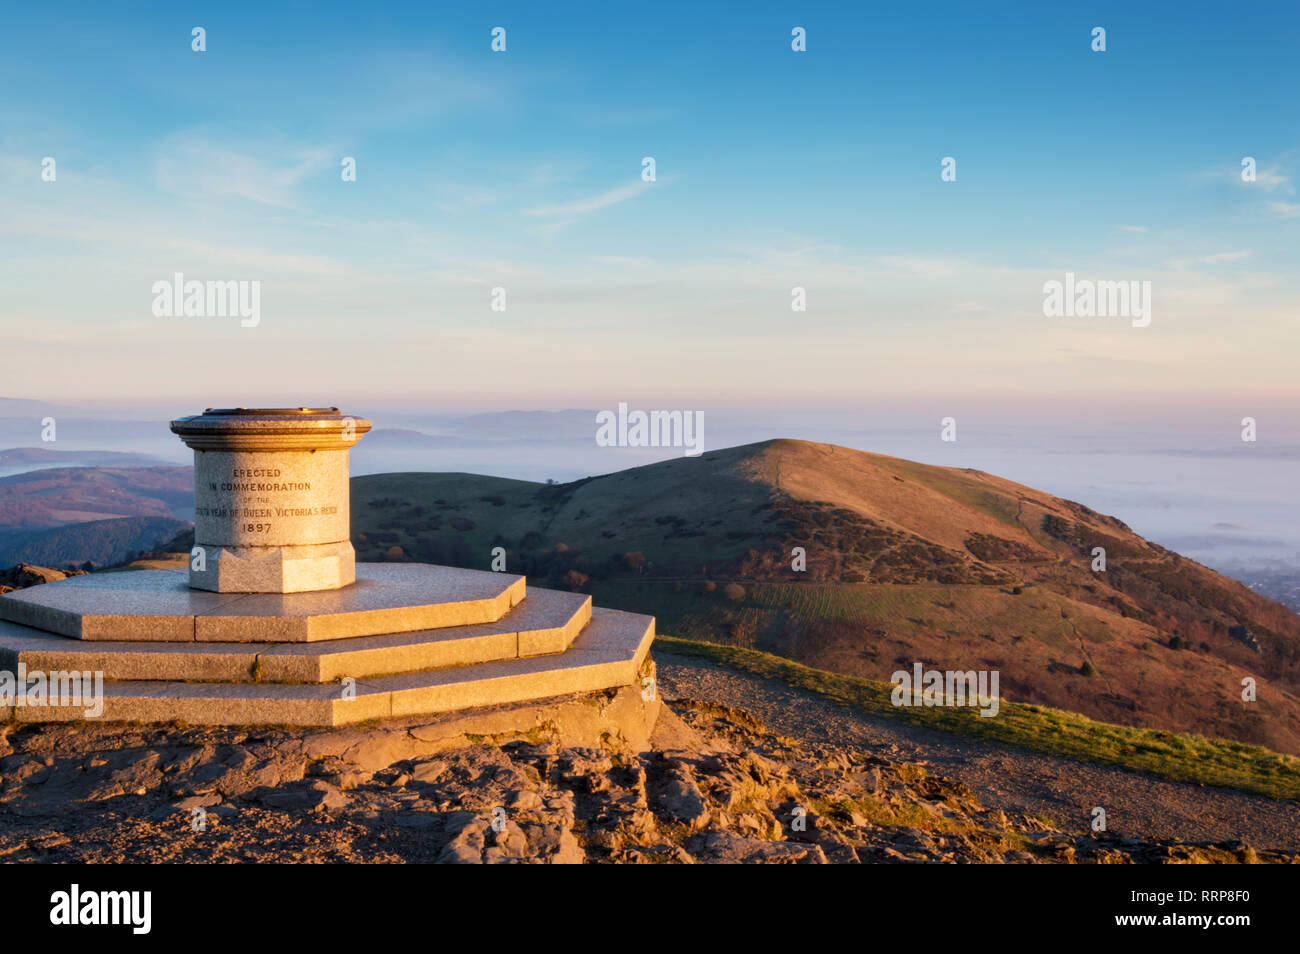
[1001,776]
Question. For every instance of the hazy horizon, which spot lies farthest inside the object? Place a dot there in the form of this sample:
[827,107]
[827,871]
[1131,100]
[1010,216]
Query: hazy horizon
[1177,477]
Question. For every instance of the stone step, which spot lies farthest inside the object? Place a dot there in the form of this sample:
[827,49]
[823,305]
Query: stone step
[607,654]
[159,606]
[547,621]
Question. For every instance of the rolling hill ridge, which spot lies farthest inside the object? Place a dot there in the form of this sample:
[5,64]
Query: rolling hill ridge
[902,563]
[63,516]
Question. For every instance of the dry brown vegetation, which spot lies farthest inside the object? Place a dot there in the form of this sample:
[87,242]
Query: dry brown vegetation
[905,562]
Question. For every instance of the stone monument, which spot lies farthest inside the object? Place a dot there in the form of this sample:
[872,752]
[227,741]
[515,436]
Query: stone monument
[271,621]
[271,498]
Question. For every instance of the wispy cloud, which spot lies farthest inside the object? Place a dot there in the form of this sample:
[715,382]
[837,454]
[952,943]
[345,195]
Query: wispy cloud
[923,267]
[1192,263]
[1220,258]
[1132,228]
[207,165]
[580,207]
[1271,179]
[547,172]
[1285,210]
[456,197]
[628,115]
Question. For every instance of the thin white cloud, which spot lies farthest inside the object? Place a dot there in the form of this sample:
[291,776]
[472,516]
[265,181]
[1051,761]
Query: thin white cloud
[1132,228]
[581,207]
[623,260]
[202,166]
[922,267]
[460,198]
[1220,257]
[1285,210]
[1270,180]
[627,115]
[555,170]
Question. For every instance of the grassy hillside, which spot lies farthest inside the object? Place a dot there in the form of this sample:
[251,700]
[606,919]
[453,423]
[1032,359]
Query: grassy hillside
[97,542]
[905,562]
[64,495]
[1175,756]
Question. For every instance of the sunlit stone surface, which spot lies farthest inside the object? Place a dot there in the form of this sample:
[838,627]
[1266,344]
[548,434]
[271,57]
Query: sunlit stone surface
[271,498]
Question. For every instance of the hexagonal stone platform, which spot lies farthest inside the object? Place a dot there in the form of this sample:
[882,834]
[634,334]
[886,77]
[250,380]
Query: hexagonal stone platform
[405,639]
[608,654]
[159,606]
[546,622]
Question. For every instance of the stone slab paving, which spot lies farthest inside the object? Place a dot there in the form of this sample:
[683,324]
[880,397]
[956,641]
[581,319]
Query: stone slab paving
[159,606]
[49,652]
[607,654]
[154,605]
[546,622]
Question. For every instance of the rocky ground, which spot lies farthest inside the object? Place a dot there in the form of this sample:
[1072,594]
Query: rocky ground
[25,574]
[716,785]
[1056,788]
[815,784]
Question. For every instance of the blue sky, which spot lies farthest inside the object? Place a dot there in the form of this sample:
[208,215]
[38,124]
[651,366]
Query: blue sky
[775,169]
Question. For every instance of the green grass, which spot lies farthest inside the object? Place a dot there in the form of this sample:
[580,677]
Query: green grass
[1169,755]
[904,612]
[964,489]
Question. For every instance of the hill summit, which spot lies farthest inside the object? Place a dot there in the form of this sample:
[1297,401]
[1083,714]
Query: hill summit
[864,564]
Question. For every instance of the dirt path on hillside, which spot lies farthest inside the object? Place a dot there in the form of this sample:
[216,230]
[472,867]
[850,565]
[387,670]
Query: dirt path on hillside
[1000,776]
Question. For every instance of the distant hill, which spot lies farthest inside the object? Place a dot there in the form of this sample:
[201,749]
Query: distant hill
[399,438]
[58,496]
[25,407]
[953,568]
[23,457]
[99,542]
